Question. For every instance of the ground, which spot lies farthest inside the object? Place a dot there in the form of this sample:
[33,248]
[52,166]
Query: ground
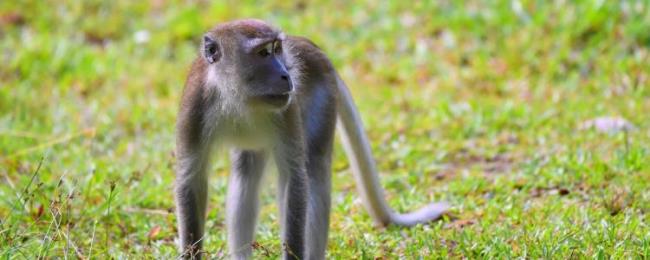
[487,105]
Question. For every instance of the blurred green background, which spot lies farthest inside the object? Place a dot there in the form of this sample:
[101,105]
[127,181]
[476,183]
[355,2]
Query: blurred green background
[528,116]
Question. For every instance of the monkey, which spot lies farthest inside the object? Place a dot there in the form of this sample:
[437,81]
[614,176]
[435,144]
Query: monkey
[267,96]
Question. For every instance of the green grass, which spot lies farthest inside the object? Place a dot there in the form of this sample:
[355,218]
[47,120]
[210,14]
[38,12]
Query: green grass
[477,103]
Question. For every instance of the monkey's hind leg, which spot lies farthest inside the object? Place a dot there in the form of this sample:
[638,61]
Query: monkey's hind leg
[318,206]
[242,202]
[320,140]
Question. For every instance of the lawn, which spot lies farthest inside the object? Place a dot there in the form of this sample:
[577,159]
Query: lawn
[484,104]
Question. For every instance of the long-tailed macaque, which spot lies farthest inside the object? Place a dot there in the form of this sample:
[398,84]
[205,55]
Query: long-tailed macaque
[265,95]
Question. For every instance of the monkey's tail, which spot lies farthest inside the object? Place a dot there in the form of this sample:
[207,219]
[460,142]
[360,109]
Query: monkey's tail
[365,172]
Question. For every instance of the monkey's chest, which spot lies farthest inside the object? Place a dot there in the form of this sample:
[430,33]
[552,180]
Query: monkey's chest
[248,135]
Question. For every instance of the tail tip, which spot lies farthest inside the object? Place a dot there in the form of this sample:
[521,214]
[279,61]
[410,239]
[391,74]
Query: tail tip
[437,210]
[424,215]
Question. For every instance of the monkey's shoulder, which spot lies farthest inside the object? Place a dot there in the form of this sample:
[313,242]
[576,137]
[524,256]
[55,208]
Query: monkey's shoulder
[193,90]
[302,42]
[305,48]
[313,64]
[197,72]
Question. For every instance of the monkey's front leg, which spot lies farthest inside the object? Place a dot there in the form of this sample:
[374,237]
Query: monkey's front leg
[191,189]
[191,197]
[289,156]
[294,191]
[242,202]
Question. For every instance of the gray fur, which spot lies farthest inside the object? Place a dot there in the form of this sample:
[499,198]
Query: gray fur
[289,157]
[283,107]
[242,201]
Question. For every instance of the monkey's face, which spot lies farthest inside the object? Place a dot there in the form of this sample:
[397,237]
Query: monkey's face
[253,68]
[265,76]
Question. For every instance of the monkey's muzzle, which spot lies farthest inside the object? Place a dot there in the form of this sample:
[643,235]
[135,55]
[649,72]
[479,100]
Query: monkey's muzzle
[276,100]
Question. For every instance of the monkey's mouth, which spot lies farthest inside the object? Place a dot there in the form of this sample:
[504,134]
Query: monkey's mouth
[276,100]
[284,96]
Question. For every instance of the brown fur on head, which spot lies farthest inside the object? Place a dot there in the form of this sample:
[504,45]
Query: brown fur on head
[249,28]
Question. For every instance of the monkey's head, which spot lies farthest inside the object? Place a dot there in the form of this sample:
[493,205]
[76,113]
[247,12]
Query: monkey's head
[245,60]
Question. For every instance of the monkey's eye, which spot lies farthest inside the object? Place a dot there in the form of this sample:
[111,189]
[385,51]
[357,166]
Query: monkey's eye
[211,49]
[266,51]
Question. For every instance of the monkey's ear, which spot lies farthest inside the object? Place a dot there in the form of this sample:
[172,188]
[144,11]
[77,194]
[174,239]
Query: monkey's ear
[211,51]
